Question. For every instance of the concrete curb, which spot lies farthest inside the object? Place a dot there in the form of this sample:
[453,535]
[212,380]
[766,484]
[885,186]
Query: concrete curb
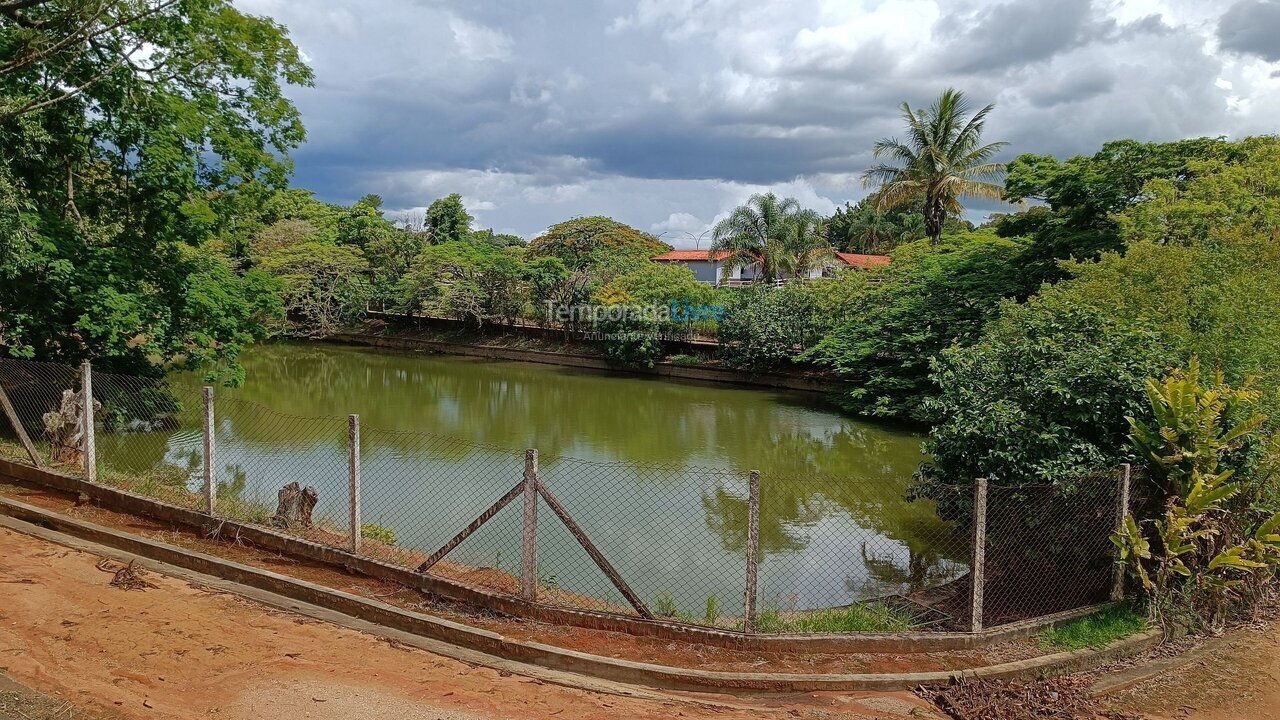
[909,642]
[545,656]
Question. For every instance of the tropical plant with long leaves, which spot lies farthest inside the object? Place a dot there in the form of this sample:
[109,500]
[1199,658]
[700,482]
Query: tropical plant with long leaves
[773,236]
[941,160]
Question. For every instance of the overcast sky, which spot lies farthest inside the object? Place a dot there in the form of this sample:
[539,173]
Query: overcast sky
[666,113]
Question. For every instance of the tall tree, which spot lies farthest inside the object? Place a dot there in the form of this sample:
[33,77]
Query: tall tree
[448,220]
[126,129]
[771,235]
[942,160]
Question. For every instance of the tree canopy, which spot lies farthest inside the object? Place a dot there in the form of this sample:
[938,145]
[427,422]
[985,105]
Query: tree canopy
[582,241]
[126,130]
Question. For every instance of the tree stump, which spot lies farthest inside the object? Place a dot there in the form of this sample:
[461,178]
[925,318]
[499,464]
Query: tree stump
[294,506]
[64,428]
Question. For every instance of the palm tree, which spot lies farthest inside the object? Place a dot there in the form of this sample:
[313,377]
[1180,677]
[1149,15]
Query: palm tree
[773,235]
[803,245]
[942,160]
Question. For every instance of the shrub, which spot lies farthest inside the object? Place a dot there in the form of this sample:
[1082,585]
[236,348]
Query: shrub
[930,298]
[378,533]
[1212,548]
[765,328]
[1042,397]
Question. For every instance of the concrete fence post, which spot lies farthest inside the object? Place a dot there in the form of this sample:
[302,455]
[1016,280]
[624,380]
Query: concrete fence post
[529,535]
[353,480]
[977,568]
[753,552]
[89,446]
[210,483]
[1122,512]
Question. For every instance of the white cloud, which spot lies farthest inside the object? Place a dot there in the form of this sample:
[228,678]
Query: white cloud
[477,42]
[666,114]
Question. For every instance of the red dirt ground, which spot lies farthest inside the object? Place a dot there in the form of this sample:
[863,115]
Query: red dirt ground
[610,644]
[179,651]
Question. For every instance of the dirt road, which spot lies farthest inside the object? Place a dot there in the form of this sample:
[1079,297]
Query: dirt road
[180,651]
[1238,680]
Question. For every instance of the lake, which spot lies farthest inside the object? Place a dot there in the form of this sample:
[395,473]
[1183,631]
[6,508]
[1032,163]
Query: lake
[655,471]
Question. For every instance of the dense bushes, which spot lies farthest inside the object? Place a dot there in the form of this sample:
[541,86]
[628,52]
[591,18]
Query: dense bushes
[766,328]
[1042,396]
[888,331]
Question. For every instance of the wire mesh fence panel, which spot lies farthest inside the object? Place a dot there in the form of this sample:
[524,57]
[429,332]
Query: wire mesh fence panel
[675,535]
[282,471]
[46,401]
[419,491]
[148,437]
[1048,548]
[859,555]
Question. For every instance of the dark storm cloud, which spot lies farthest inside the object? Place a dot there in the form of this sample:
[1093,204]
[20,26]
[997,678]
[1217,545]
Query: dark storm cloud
[665,113]
[1252,27]
[1013,33]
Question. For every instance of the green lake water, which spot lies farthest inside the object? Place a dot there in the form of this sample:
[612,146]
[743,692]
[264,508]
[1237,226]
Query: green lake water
[655,471]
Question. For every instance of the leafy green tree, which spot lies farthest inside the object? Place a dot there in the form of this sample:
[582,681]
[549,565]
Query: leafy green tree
[475,283]
[126,130]
[930,298]
[581,242]
[863,228]
[323,286]
[489,237]
[1082,196]
[766,328]
[942,160]
[1042,396]
[448,220]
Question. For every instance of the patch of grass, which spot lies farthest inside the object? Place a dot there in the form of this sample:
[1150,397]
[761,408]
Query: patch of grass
[855,618]
[1095,631]
[685,360]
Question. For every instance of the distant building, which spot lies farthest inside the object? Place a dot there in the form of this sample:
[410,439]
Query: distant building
[708,266]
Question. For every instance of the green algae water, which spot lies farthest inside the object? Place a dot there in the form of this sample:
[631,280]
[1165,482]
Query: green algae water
[654,470]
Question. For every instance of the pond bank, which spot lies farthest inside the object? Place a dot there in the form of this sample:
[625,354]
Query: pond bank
[810,382]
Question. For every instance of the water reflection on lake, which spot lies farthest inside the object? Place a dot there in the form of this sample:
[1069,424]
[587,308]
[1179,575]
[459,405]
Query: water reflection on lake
[657,476]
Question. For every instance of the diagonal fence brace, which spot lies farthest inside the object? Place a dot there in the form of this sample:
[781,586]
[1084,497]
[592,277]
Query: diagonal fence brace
[485,516]
[595,553]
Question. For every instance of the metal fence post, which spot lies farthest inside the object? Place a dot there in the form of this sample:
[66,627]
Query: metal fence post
[1122,512]
[353,479]
[89,445]
[529,536]
[210,487]
[753,551]
[977,570]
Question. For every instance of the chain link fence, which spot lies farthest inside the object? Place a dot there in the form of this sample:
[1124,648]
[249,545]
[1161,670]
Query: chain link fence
[831,554]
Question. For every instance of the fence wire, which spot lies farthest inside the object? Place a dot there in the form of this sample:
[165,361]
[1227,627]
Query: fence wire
[836,554]
[45,399]
[1048,548]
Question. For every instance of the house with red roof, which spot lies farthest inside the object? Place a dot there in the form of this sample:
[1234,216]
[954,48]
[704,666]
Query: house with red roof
[709,265]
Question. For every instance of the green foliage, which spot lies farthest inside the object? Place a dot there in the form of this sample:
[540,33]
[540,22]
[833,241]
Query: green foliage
[889,331]
[323,286]
[1042,396]
[772,237]
[942,160]
[1209,551]
[765,328]
[592,240]
[1085,193]
[864,228]
[1194,428]
[1096,630]
[116,177]
[461,280]
[448,221]
[378,533]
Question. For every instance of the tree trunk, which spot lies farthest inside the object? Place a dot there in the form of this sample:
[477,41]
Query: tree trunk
[64,428]
[935,215]
[294,506]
